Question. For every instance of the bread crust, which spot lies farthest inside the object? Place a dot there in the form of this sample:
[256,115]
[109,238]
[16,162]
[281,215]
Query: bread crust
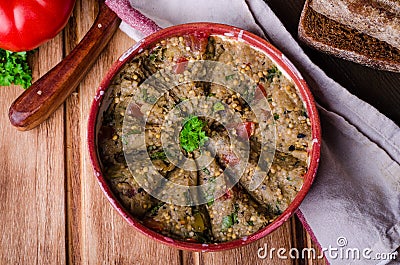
[324,34]
[377,18]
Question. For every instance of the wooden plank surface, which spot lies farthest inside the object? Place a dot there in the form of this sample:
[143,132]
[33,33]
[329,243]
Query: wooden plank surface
[32,179]
[53,211]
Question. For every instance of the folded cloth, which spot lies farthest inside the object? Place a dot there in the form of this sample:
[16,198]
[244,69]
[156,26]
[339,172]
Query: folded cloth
[354,203]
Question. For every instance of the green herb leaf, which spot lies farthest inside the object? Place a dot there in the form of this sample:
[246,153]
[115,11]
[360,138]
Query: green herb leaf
[192,135]
[156,208]
[158,155]
[277,211]
[218,106]
[134,131]
[14,69]
[250,223]
[229,77]
[272,73]
[205,170]
[235,218]
[152,57]
[276,116]
[157,54]
[227,222]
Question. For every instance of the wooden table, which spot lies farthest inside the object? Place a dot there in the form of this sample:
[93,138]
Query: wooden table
[52,209]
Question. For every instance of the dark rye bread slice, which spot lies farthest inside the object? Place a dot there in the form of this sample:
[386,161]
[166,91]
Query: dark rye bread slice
[327,35]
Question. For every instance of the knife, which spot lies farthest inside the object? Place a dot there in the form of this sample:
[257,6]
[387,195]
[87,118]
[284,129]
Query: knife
[45,95]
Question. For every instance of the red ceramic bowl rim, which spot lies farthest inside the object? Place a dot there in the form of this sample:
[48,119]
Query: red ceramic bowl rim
[254,41]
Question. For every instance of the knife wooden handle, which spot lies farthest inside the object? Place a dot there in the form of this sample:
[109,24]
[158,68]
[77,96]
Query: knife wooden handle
[45,95]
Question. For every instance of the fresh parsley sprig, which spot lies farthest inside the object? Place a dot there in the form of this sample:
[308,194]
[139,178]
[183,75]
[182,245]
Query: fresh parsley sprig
[192,135]
[14,69]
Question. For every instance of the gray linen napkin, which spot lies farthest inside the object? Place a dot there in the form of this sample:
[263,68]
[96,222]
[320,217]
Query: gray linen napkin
[354,204]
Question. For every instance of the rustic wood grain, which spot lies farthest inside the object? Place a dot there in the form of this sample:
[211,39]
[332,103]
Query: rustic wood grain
[32,197]
[73,219]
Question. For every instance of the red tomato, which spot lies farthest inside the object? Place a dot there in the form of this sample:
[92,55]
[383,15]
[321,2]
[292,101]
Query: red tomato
[26,24]
[198,41]
[228,194]
[181,65]
[260,92]
[153,224]
[230,158]
[245,130]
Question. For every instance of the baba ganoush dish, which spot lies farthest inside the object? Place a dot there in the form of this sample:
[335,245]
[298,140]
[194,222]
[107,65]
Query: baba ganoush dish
[241,210]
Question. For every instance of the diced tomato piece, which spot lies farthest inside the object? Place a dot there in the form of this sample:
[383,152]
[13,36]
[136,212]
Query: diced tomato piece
[260,92]
[228,195]
[181,65]
[201,41]
[197,41]
[245,130]
[153,224]
[230,159]
[134,111]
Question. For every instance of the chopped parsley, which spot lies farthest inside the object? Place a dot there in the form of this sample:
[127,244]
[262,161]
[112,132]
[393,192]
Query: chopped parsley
[192,135]
[158,155]
[218,106]
[229,77]
[273,72]
[147,98]
[227,222]
[156,208]
[157,54]
[209,195]
[230,220]
[276,116]
[14,69]
[134,131]
[205,170]
[152,57]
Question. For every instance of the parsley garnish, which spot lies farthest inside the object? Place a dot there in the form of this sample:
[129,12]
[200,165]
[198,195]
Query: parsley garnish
[218,106]
[227,222]
[154,211]
[192,135]
[272,73]
[229,77]
[14,69]
[205,170]
[158,155]
[230,220]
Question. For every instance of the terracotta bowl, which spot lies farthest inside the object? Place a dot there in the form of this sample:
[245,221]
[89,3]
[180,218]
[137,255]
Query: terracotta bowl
[101,102]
